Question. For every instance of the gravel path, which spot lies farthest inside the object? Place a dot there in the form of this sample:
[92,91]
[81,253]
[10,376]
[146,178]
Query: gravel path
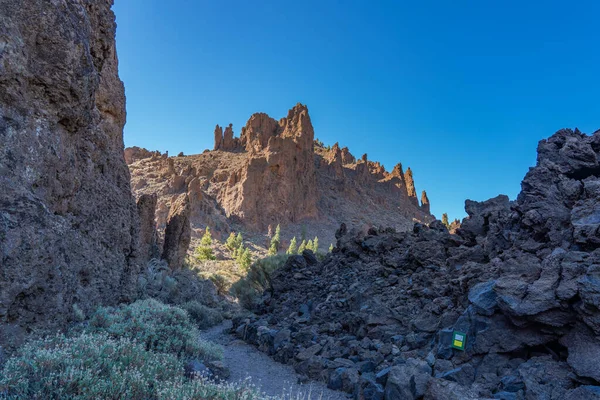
[273,378]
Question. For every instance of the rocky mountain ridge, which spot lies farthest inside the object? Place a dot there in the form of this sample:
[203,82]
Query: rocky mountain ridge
[518,281]
[275,173]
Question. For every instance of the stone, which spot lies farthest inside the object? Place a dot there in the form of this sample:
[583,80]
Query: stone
[309,352]
[584,351]
[408,381]
[483,297]
[368,389]
[344,379]
[587,392]
[196,368]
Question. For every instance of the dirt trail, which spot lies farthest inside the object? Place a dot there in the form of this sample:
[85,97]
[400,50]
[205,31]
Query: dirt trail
[273,378]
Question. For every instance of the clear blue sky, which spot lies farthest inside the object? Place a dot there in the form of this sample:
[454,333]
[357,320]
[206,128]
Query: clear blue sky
[460,91]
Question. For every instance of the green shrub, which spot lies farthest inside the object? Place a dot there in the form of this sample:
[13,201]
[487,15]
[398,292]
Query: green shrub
[203,316]
[89,366]
[249,289]
[161,328]
[97,366]
[220,283]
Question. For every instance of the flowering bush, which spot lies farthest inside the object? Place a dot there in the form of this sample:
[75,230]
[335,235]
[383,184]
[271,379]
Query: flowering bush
[97,366]
[159,327]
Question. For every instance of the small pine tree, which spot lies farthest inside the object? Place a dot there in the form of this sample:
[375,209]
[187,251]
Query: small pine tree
[246,259]
[315,246]
[278,230]
[239,240]
[272,249]
[302,247]
[275,240]
[204,251]
[445,220]
[239,254]
[331,247]
[293,247]
[231,242]
[206,238]
[309,246]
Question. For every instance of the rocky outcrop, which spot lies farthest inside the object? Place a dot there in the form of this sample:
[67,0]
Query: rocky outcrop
[146,206]
[410,187]
[519,280]
[226,141]
[425,206]
[177,233]
[218,138]
[68,222]
[277,182]
[133,154]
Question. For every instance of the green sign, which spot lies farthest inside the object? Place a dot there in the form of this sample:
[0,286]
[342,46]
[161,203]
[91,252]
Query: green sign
[459,340]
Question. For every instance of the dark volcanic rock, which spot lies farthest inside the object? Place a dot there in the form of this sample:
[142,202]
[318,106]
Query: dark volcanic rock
[520,279]
[68,221]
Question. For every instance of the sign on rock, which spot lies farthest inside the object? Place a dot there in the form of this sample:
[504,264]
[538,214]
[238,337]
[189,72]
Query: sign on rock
[459,340]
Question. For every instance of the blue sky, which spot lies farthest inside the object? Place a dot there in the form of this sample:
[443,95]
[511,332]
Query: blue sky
[460,91]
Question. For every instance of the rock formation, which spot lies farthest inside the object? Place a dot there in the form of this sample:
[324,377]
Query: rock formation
[410,187]
[133,154]
[226,141]
[276,174]
[68,222]
[277,183]
[218,138]
[519,281]
[425,206]
[146,206]
[177,233]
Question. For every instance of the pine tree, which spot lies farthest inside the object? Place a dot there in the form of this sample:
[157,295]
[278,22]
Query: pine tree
[445,220]
[206,238]
[231,242]
[274,245]
[309,246]
[302,247]
[272,249]
[204,251]
[246,259]
[331,247]
[239,239]
[315,246]
[292,249]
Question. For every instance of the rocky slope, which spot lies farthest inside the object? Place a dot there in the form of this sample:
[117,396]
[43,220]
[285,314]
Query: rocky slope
[275,173]
[68,223]
[520,279]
